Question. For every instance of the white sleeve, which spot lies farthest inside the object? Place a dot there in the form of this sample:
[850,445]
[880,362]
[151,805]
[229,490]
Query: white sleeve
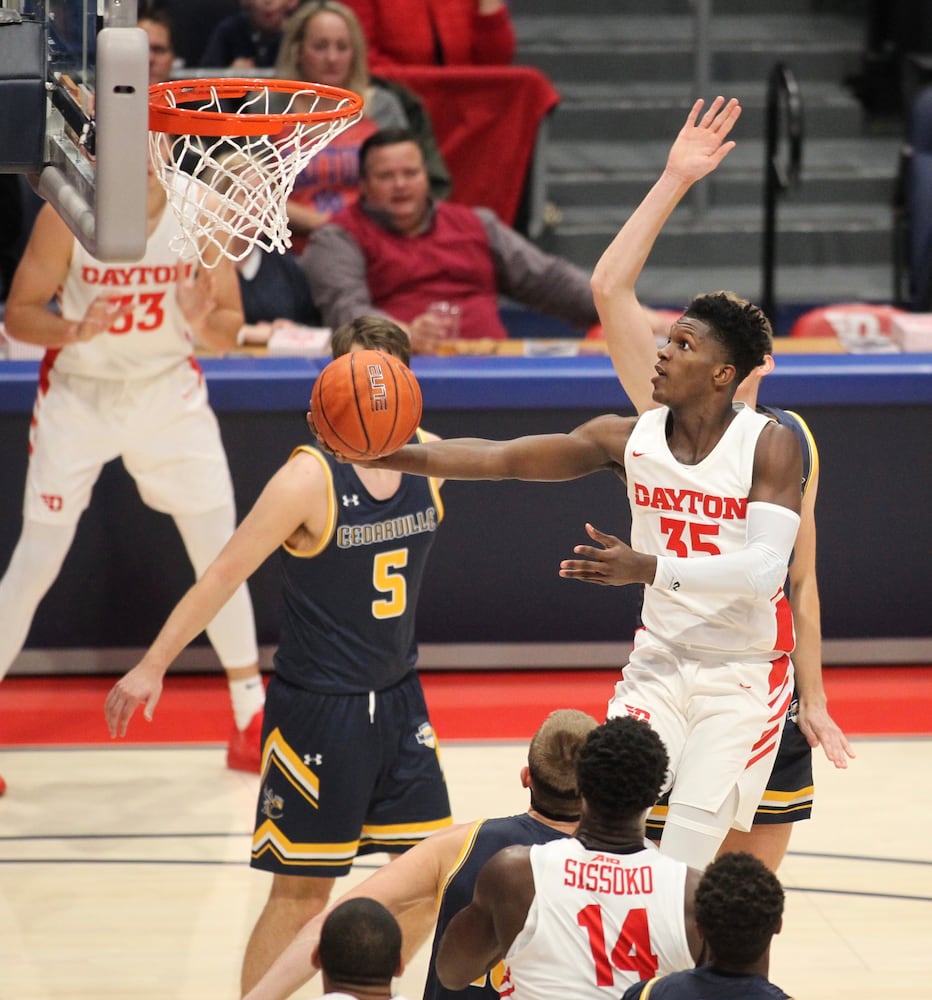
[758,570]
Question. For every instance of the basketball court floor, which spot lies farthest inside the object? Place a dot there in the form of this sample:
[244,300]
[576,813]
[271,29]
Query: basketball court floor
[123,871]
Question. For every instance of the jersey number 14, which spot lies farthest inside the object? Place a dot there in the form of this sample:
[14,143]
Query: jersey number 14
[631,952]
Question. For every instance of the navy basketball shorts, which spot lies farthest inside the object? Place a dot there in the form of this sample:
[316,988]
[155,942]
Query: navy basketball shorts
[344,775]
[788,796]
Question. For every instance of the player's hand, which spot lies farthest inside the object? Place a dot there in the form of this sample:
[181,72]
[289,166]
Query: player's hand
[820,728]
[700,146]
[103,313]
[615,564]
[312,427]
[142,685]
[196,294]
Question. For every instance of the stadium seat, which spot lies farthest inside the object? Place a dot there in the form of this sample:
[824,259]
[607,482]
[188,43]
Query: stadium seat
[860,326]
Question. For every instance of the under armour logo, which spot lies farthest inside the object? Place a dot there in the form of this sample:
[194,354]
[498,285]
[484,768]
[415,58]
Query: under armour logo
[313,759]
[350,501]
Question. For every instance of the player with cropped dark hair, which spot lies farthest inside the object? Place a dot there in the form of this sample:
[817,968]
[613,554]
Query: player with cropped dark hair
[578,915]
[641,758]
[741,327]
[359,952]
[739,908]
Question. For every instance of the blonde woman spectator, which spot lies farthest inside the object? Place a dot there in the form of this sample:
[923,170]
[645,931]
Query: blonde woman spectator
[323,43]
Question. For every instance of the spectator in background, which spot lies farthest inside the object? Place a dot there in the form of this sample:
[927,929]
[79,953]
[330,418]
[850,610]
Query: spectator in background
[323,43]
[436,32]
[250,38]
[395,253]
[157,25]
[739,908]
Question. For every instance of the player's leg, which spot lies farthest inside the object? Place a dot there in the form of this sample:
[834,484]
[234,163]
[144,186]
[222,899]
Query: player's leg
[320,762]
[69,441]
[173,450]
[731,745]
[411,801]
[33,568]
[293,901]
[651,689]
[787,800]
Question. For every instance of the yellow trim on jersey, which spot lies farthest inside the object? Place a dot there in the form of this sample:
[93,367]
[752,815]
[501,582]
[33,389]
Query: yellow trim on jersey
[291,766]
[789,797]
[813,449]
[468,844]
[331,507]
[268,838]
[432,482]
[395,833]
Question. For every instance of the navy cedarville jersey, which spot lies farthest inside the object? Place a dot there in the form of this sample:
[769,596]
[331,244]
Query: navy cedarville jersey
[349,606]
[486,838]
[806,441]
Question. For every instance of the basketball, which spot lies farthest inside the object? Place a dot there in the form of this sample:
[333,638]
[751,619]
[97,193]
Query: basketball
[366,404]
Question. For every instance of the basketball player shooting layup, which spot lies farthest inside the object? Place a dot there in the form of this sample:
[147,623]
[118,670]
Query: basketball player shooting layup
[350,760]
[715,499]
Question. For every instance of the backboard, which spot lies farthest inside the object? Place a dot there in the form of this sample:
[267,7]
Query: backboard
[74,81]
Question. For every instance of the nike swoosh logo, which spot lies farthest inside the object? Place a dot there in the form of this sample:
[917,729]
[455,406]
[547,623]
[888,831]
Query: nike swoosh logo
[638,454]
[747,687]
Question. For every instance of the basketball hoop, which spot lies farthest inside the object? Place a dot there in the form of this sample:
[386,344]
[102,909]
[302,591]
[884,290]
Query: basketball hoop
[228,151]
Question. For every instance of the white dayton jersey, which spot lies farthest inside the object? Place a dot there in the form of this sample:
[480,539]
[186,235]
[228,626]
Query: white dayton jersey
[150,339]
[598,923]
[697,511]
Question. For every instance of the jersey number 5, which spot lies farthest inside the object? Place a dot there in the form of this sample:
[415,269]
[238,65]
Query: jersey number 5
[632,951]
[387,580]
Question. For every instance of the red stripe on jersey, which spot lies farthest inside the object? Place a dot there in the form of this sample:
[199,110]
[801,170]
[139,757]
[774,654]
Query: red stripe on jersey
[761,755]
[192,361]
[779,669]
[783,707]
[767,735]
[45,369]
[786,637]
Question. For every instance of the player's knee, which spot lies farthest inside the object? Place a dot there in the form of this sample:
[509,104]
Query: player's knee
[301,891]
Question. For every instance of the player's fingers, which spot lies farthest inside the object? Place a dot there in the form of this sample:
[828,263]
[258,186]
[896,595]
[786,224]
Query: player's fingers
[694,112]
[600,536]
[709,116]
[589,552]
[149,710]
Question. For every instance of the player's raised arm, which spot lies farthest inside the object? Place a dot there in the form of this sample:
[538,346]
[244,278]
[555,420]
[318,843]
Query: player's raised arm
[698,149]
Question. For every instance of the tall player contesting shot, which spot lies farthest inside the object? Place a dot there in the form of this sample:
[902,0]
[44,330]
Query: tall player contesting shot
[710,670]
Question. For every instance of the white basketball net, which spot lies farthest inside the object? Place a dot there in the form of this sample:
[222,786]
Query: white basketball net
[229,192]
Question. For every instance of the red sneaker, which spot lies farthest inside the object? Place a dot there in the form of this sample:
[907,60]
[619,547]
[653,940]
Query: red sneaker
[244,752]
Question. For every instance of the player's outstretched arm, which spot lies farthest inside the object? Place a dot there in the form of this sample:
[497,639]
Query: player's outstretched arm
[598,444]
[410,880]
[698,149]
[284,505]
[210,301]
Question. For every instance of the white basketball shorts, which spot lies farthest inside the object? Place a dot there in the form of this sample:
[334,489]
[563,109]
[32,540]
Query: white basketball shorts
[721,720]
[162,427]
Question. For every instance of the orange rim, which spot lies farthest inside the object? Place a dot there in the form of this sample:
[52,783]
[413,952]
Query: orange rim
[165,116]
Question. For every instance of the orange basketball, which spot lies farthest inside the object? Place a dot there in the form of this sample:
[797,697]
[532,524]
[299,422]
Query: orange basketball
[366,404]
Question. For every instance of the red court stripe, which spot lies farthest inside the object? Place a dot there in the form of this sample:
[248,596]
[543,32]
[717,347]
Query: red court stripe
[464,705]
